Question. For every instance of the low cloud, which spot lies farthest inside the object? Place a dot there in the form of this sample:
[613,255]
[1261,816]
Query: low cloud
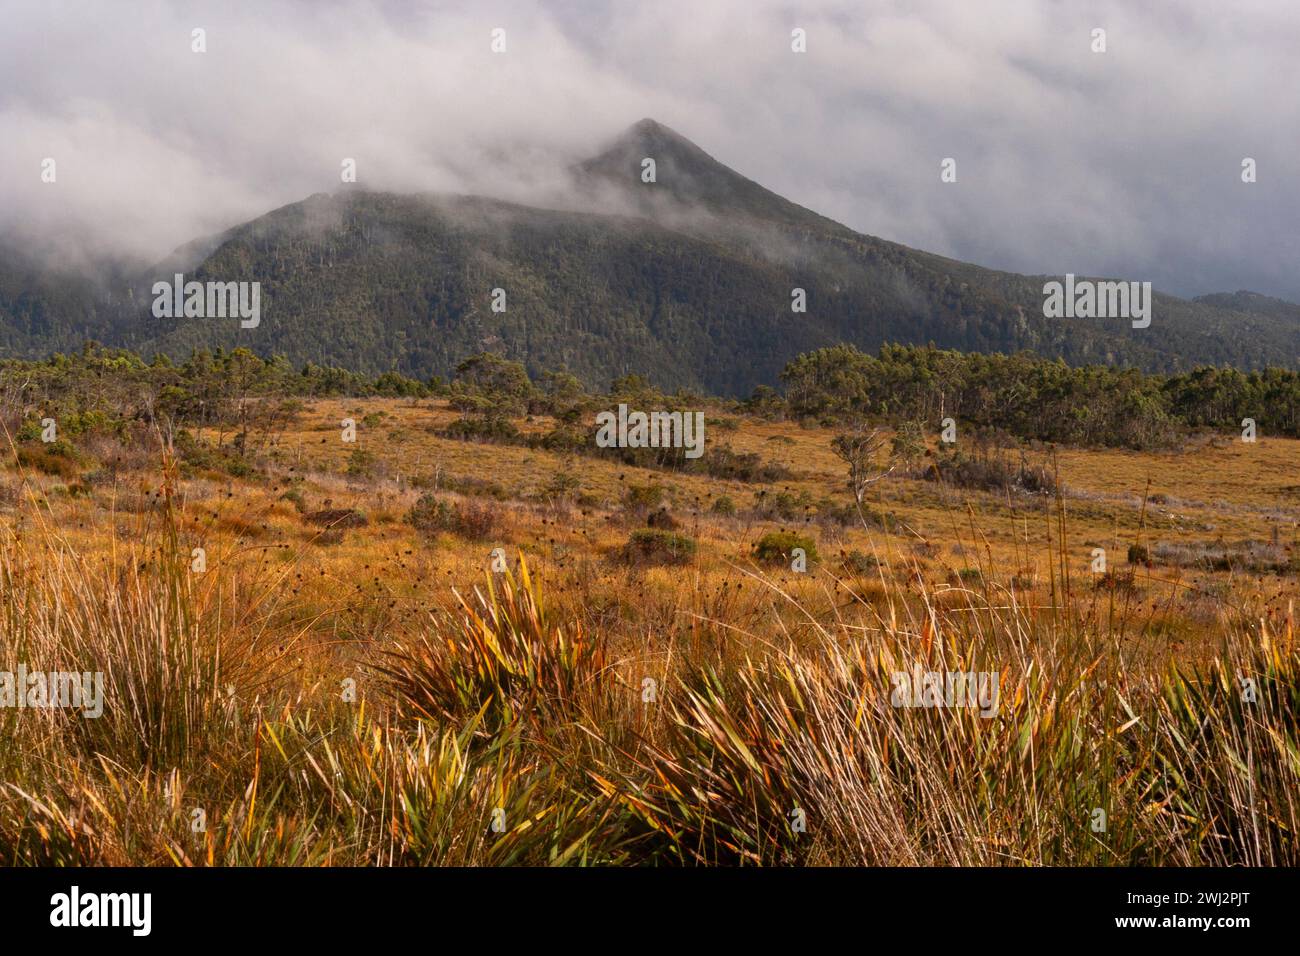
[1125,163]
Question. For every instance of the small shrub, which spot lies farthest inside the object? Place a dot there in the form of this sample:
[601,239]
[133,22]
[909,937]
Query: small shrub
[55,459]
[860,563]
[562,485]
[659,546]
[661,519]
[777,547]
[10,494]
[469,485]
[1024,580]
[991,471]
[724,507]
[640,500]
[200,456]
[336,518]
[565,437]
[487,429]
[430,514]
[361,463]
[475,520]
[469,519]
[296,498]
[98,478]
[1121,582]
[722,462]
[830,512]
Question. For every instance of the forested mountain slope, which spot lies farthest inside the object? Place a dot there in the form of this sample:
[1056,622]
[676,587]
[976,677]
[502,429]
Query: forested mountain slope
[687,280]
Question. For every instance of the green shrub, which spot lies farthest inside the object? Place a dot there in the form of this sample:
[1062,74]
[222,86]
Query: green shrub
[860,562]
[845,513]
[783,506]
[430,514]
[361,463]
[488,429]
[1139,554]
[469,519]
[565,437]
[777,547]
[199,455]
[991,470]
[640,499]
[562,484]
[659,546]
[721,461]
[295,496]
[336,518]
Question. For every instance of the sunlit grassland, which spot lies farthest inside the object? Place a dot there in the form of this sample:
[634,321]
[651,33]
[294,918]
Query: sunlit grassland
[377,695]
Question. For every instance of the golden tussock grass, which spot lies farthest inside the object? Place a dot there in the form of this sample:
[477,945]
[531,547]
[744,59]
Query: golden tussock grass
[376,694]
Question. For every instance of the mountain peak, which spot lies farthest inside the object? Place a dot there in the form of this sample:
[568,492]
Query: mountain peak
[648,125]
[650,139]
[652,130]
[684,177]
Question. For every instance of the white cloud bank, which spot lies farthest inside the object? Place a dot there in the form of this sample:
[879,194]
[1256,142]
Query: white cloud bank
[1125,163]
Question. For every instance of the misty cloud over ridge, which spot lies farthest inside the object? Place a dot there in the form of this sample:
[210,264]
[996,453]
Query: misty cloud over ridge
[1125,163]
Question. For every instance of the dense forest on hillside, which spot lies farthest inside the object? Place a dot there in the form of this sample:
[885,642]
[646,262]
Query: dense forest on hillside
[691,282]
[377,283]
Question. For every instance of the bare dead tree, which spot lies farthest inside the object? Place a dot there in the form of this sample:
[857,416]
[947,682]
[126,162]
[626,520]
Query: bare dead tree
[861,450]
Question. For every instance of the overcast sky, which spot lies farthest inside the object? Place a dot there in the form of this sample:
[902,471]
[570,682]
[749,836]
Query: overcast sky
[1124,163]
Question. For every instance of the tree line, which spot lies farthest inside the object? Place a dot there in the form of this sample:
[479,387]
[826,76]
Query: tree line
[1022,395]
[1031,397]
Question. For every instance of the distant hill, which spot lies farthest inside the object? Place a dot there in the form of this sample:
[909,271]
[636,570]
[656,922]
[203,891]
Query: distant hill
[686,280]
[1255,304]
[45,308]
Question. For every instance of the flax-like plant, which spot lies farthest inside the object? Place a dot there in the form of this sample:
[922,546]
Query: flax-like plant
[505,655]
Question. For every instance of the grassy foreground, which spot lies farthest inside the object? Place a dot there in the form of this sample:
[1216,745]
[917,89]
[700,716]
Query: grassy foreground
[350,679]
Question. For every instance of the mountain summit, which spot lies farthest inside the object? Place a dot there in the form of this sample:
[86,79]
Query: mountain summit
[686,178]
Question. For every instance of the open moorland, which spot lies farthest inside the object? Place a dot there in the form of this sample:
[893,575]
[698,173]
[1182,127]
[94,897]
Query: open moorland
[429,628]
